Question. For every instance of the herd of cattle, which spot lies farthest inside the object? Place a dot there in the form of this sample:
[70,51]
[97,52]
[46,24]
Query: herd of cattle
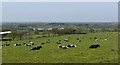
[59,42]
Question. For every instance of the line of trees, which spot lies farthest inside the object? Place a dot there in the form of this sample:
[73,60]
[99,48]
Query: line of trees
[18,34]
[65,31]
[15,34]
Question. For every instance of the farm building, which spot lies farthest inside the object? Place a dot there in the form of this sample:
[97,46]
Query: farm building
[60,28]
[3,34]
[49,28]
[40,29]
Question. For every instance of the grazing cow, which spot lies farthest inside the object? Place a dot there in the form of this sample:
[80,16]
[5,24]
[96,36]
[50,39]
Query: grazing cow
[66,40]
[58,43]
[106,39]
[74,46]
[41,43]
[79,41]
[71,46]
[77,38]
[31,42]
[17,44]
[9,39]
[63,47]
[60,46]
[1,45]
[94,46]
[95,38]
[5,45]
[36,48]
[28,44]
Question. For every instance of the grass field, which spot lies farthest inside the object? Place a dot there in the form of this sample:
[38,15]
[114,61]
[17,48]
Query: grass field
[50,53]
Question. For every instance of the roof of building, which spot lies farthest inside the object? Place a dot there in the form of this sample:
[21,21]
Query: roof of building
[6,32]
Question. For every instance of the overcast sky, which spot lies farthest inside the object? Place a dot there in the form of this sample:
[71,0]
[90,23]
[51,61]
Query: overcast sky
[60,12]
[60,0]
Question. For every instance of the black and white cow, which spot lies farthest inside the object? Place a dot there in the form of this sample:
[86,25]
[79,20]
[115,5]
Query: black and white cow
[63,47]
[28,44]
[41,43]
[71,46]
[66,40]
[58,43]
[106,39]
[5,45]
[17,44]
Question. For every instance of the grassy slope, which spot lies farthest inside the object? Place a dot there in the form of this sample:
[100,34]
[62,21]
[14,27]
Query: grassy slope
[50,53]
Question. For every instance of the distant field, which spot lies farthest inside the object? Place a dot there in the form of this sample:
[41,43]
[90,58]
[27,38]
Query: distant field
[50,53]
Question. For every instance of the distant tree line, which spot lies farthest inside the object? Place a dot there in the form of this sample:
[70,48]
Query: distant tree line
[65,31]
[20,34]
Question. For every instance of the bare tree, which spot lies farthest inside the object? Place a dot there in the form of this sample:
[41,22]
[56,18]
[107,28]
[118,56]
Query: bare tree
[78,30]
[20,35]
[91,30]
[13,34]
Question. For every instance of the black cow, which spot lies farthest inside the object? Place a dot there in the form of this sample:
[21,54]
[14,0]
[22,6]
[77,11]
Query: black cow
[32,43]
[77,38]
[60,46]
[36,48]
[9,39]
[79,41]
[94,46]
[95,38]
[69,46]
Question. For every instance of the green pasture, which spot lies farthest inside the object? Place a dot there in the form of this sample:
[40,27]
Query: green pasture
[50,53]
